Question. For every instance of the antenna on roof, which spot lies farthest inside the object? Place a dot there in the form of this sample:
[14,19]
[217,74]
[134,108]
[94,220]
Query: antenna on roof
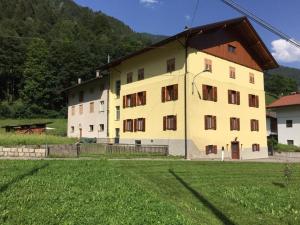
[186,28]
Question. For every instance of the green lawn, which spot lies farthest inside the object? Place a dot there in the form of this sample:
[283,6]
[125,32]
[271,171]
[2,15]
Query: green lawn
[54,136]
[147,192]
[60,125]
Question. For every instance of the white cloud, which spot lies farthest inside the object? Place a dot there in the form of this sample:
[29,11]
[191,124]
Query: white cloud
[187,17]
[150,3]
[285,52]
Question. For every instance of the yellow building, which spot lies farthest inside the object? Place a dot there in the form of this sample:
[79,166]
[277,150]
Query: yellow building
[198,92]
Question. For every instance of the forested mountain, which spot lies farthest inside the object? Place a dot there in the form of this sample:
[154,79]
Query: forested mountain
[282,81]
[45,45]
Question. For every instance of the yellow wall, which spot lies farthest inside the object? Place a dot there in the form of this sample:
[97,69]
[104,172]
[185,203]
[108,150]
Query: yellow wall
[219,78]
[154,63]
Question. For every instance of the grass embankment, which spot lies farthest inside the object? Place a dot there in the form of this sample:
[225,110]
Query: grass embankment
[286,148]
[54,136]
[147,192]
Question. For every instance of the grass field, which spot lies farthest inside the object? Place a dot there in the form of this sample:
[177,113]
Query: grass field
[54,136]
[147,192]
[60,125]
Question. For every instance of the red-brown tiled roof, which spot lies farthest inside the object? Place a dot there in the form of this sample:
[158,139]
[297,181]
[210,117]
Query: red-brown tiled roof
[288,100]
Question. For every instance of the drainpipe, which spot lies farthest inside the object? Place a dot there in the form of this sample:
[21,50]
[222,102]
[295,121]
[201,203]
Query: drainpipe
[185,98]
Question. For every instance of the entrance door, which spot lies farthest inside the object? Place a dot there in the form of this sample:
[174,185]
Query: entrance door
[117,138]
[235,150]
[80,132]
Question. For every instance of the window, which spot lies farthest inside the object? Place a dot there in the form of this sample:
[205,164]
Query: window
[171,65]
[138,142]
[81,96]
[73,110]
[101,106]
[91,107]
[141,98]
[211,149]
[253,101]
[129,100]
[210,122]
[81,109]
[118,88]
[233,97]
[232,72]
[170,122]
[91,128]
[251,78]
[117,113]
[72,129]
[208,65]
[289,123]
[254,125]
[169,93]
[141,74]
[129,77]
[127,125]
[231,49]
[290,142]
[101,127]
[234,123]
[139,124]
[255,148]
[209,93]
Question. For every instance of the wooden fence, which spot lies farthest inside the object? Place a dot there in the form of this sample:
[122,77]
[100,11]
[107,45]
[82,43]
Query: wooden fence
[147,149]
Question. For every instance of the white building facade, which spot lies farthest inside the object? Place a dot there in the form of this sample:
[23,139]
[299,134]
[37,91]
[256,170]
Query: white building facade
[87,109]
[287,110]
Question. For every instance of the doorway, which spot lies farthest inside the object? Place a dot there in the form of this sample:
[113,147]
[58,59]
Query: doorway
[235,150]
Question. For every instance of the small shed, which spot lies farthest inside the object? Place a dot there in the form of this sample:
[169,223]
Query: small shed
[33,128]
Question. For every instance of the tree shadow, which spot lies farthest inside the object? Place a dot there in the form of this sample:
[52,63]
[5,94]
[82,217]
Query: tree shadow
[279,184]
[220,215]
[18,178]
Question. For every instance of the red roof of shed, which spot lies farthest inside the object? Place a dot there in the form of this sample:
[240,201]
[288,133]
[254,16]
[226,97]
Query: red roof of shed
[288,100]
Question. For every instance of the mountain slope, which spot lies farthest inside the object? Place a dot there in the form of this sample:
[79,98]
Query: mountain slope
[75,39]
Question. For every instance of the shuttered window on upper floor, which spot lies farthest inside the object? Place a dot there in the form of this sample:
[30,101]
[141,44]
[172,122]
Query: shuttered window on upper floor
[209,93]
[135,99]
[140,124]
[141,74]
[129,77]
[128,125]
[233,97]
[170,122]
[208,65]
[234,123]
[171,65]
[210,122]
[253,101]
[232,72]
[251,78]
[169,93]
[254,125]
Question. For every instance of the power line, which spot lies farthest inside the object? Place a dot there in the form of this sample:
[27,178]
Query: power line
[194,13]
[261,22]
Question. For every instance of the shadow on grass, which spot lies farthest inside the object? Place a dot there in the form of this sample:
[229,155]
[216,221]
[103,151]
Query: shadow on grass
[221,216]
[31,172]
[278,184]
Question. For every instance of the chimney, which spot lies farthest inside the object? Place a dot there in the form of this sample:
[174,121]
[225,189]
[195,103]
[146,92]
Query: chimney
[79,80]
[97,73]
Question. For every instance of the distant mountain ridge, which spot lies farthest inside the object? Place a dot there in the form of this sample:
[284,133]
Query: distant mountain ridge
[290,72]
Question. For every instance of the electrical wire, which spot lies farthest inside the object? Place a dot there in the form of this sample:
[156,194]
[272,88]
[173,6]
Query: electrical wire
[194,13]
[261,22]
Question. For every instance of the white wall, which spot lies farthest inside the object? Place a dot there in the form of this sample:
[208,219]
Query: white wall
[288,133]
[95,91]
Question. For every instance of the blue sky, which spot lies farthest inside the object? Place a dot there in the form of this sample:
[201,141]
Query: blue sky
[169,17]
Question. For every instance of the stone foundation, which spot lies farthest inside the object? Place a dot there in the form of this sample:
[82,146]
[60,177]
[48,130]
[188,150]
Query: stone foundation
[23,152]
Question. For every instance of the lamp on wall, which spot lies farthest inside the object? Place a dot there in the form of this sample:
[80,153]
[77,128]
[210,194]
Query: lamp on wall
[193,83]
